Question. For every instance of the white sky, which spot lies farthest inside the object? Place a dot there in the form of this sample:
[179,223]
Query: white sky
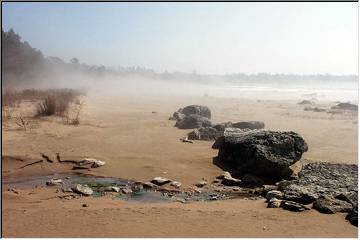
[214,38]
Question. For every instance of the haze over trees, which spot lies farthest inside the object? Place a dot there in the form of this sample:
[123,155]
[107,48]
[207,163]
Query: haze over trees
[24,65]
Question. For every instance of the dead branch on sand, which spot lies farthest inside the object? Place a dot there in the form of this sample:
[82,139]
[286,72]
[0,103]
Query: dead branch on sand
[46,158]
[29,164]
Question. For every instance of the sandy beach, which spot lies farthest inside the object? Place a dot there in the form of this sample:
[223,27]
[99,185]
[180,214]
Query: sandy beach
[137,141]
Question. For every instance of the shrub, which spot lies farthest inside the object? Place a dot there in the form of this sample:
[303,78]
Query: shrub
[47,106]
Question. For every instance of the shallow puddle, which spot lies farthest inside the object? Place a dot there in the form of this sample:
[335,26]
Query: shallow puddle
[98,183]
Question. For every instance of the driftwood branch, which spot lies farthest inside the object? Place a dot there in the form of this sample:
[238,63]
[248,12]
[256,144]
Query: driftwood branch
[29,164]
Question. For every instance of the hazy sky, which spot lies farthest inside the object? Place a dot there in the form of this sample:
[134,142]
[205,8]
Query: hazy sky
[208,37]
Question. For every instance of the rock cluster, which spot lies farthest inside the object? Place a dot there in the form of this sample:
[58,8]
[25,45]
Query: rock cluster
[198,117]
[321,178]
[330,187]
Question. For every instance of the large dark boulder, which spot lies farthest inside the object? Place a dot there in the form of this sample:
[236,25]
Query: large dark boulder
[316,179]
[262,153]
[193,121]
[197,110]
[249,125]
[205,133]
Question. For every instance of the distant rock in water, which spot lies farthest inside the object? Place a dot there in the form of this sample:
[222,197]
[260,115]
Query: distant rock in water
[205,133]
[193,121]
[305,102]
[346,106]
[260,152]
[323,179]
[314,109]
[249,125]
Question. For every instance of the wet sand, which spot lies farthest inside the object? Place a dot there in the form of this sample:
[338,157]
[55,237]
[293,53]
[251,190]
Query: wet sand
[139,144]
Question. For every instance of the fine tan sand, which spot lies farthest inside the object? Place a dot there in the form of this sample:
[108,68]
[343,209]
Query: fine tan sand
[137,141]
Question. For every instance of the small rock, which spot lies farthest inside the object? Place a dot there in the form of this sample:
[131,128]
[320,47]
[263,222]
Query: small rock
[181,200]
[274,203]
[213,198]
[196,190]
[84,205]
[327,204]
[149,185]
[175,184]
[160,181]
[228,180]
[186,140]
[305,102]
[67,190]
[54,182]
[91,161]
[201,183]
[293,206]
[274,194]
[112,189]
[315,109]
[126,191]
[83,189]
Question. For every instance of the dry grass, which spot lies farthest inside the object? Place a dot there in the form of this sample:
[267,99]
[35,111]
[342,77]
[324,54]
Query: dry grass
[51,102]
[72,114]
[23,123]
[57,102]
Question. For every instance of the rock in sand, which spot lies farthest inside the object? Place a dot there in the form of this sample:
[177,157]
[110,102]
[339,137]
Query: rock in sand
[205,133]
[262,153]
[327,204]
[160,181]
[193,121]
[83,189]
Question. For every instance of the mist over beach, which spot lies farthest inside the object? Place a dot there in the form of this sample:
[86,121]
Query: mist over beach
[179,119]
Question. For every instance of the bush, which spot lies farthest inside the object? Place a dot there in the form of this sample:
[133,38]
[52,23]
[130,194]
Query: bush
[47,106]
